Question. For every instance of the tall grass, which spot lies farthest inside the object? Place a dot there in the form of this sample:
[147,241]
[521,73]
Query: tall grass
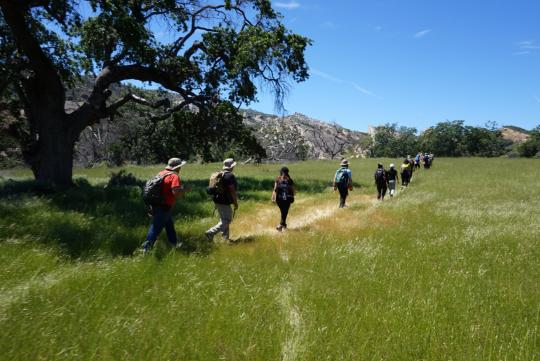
[447,270]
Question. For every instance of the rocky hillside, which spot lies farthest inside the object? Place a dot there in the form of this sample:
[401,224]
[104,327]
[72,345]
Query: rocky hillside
[514,134]
[292,137]
[297,136]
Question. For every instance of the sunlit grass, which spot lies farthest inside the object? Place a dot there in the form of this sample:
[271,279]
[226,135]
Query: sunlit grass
[447,270]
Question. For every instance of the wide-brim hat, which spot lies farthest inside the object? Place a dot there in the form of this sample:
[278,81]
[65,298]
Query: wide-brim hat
[228,164]
[344,162]
[175,163]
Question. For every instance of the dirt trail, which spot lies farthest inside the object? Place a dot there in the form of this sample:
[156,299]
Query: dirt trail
[265,217]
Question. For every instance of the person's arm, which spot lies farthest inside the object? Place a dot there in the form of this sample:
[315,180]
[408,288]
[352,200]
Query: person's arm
[349,183]
[181,191]
[274,192]
[177,188]
[234,196]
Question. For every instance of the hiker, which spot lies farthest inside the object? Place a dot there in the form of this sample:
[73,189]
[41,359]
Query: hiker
[411,167]
[405,173]
[283,195]
[427,161]
[417,161]
[343,182]
[161,193]
[381,181]
[223,199]
[393,178]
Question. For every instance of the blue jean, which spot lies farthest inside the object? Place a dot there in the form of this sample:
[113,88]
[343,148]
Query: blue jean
[161,218]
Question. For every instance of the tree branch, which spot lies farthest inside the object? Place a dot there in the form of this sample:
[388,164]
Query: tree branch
[180,42]
[111,109]
[197,45]
[43,67]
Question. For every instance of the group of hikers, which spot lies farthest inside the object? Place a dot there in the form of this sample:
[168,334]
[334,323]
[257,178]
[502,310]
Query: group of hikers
[161,192]
[385,180]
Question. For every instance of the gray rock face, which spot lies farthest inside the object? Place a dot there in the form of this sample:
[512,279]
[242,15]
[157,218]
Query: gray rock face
[297,137]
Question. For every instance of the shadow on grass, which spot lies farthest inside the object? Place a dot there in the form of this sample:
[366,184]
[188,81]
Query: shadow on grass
[89,221]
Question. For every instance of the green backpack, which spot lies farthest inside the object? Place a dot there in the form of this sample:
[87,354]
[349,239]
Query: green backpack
[342,176]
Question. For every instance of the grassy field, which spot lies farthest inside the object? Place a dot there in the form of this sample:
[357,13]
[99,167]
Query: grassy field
[447,270]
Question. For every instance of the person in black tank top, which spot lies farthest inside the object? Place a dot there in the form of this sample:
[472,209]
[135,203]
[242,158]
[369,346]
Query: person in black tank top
[283,195]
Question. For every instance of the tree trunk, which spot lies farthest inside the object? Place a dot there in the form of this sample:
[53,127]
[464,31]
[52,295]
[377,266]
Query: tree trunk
[51,156]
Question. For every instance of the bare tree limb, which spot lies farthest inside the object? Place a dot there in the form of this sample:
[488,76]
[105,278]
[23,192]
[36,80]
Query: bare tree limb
[111,109]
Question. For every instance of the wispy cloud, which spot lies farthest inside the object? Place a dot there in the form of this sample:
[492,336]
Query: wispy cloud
[287,5]
[422,33]
[333,79]
[329,25]
[528,45]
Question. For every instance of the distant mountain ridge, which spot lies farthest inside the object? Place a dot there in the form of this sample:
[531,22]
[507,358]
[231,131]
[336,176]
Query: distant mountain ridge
[298,136]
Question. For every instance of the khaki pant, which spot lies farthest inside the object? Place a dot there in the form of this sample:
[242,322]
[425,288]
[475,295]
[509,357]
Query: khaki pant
[225,218]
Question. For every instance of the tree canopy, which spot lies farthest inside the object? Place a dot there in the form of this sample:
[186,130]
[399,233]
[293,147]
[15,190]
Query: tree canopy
[447,139]
[393,141]
[531,147]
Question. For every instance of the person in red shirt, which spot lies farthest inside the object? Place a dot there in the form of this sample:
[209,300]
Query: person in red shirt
[172,189]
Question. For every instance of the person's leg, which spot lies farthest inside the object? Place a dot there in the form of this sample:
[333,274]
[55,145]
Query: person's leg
[169,228]
[284,208]
[343,193]
[379,190]
[158,220]
[225,216]
[384,188]
[391,187]
[215,229]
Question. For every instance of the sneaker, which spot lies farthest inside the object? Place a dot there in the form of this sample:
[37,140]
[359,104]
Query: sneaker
[209,236]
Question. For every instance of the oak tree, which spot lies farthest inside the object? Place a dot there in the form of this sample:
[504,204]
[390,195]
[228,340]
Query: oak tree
[202,50]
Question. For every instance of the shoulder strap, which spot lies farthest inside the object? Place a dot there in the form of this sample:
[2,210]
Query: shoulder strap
[166,175]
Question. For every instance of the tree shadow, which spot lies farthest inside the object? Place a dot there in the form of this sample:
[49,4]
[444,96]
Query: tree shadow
[110,220]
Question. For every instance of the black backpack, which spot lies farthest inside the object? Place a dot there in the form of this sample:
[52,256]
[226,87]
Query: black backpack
[152,190]
[283,189]
[380,176]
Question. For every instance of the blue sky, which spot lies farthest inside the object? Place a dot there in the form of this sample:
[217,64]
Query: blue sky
[416,62]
